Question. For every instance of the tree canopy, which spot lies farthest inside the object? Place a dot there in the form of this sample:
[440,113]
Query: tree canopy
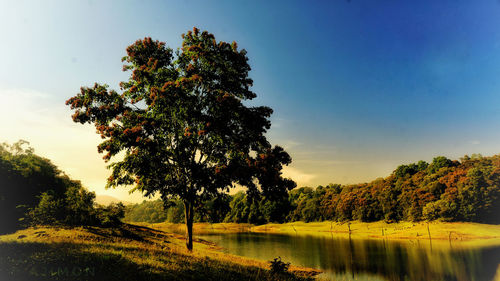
[183,125]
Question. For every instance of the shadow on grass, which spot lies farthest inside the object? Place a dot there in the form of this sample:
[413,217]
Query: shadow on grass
[69,261]
[62,261]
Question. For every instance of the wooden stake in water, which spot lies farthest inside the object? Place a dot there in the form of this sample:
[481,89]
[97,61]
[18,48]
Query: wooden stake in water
[430,239]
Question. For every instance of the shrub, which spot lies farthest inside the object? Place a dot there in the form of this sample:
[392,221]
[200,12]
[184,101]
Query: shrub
[278,266]
[111,215]
[48,210]
[75,208]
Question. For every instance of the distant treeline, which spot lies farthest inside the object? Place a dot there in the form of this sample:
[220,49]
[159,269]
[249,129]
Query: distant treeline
[34,191]
[465,190]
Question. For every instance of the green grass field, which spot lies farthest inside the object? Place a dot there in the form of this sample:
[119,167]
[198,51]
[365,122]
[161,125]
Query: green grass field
[127,253]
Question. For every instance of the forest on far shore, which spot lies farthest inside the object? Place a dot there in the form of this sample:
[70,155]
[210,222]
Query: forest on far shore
[450,190]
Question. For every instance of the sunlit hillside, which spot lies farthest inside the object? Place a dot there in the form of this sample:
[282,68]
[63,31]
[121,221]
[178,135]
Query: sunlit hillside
[125,253]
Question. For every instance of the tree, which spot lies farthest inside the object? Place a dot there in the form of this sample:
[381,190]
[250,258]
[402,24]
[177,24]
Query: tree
[147,211]
[216,209]
[438,163]
[24,176]
[238,209]
[276,210]
[182,123]
[34,191]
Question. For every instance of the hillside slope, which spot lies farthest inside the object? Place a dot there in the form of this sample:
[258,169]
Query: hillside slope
[125,253]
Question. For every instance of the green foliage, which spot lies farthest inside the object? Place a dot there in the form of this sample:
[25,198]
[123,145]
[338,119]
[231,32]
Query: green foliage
[410,169]
[275,210]
[35,191]
[111,215]
[49,210]
[257,210]
[438,163]
[79,206]
[75,207]
[175,212]
[239,209]
[24,176]
[215,209]
[147,211]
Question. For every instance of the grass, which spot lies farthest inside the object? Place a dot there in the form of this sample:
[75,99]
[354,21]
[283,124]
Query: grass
[130,252]
[201,227]
[404,230]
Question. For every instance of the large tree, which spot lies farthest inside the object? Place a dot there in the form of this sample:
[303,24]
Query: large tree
[183,125]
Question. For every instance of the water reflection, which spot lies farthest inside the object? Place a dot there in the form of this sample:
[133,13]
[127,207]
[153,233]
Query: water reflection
[356,259]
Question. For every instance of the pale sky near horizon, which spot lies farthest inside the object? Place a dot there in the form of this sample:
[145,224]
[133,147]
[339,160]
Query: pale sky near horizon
[357,87]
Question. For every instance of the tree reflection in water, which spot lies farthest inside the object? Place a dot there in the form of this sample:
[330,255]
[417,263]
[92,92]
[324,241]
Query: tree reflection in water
[361,259]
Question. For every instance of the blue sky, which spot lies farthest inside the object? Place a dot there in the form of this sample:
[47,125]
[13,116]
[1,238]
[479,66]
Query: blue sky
[358,87]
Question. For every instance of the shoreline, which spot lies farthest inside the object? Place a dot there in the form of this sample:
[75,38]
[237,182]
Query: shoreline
[463,233]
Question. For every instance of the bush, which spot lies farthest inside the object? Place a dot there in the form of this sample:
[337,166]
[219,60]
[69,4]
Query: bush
[79,207]
[48,210]
[110,215]
[278,266]
[75,208]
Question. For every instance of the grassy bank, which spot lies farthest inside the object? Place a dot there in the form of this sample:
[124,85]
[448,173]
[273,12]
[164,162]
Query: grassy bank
[126,253]
[403,230]
[467,234]
[201,227]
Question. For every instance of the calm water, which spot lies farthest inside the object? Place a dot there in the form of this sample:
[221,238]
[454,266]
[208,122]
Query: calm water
[345,259]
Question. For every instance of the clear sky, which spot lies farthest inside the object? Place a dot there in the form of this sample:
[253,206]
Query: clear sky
[357,87]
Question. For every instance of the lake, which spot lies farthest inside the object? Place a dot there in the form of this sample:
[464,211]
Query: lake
[368,259]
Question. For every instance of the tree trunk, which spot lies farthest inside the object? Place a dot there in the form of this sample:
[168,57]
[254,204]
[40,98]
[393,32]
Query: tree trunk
[188,213]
